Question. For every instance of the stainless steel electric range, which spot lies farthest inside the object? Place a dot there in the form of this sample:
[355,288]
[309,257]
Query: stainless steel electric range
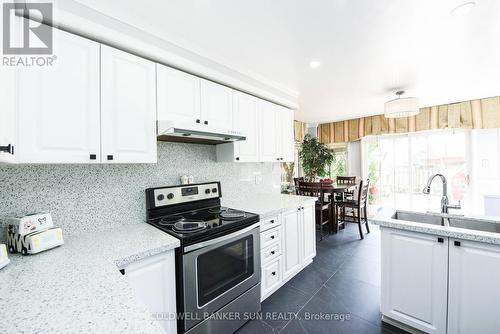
[218,262]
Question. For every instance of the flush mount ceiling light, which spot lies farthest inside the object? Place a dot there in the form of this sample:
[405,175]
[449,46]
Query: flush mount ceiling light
[401,106]
[314,64]
[463,9]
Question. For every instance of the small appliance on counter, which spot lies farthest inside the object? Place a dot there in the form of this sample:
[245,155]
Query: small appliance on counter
[4,259]
[33,234]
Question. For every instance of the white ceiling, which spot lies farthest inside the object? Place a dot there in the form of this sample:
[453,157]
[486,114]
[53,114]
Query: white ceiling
[367,48]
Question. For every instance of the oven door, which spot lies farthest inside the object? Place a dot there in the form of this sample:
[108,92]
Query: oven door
[218,271]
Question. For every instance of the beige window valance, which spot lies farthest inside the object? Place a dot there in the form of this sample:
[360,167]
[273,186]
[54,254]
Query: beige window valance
[299,131]
[475,114]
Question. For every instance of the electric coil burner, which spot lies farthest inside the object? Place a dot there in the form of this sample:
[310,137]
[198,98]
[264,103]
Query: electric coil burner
[218,263]
[189,226]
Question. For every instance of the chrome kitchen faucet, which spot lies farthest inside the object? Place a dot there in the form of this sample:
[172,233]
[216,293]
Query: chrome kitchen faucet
[445,204]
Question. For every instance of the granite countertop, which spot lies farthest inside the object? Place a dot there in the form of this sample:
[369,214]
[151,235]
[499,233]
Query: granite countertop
[78,287]
[266,205]
[385,219]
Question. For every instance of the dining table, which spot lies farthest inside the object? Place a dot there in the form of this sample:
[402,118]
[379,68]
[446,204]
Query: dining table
[331,190]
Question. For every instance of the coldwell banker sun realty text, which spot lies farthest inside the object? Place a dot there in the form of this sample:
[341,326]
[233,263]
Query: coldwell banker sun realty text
[27,42]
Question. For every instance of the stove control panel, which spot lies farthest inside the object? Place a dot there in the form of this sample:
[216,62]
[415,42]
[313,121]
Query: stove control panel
[185,193]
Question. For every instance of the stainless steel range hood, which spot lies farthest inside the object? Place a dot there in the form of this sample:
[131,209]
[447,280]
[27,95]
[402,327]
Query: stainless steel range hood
[178,132]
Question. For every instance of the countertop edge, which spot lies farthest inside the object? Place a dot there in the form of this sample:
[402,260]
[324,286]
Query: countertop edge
[446,231]
[129,259]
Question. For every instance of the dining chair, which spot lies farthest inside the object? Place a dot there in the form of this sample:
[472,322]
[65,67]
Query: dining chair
[358,212]
[346,181]
[296,183]
[316,189]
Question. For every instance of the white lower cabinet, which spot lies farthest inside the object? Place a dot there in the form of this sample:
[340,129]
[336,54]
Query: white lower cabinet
[414,279]
[288,245]
[474,290]
[291,242]
[308,233]
[271,277]
[440,285]
[153,283]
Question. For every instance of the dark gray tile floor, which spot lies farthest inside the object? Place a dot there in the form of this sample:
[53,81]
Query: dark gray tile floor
[338,293]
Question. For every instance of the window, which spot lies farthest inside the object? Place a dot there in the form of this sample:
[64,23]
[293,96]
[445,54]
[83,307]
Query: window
[338,167]
[398,167]
[289,170]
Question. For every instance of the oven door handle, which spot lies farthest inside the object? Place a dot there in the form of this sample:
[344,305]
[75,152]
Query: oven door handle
[220,239]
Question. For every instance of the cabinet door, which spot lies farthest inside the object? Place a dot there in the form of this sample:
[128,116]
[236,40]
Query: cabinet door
[285,140]
[128,108]
[58,106]
[153,283]
[178,96]
[268,132]
[291,242]
[216,105]
[245,121]
[414,279]
[7,114]
[474,292]
[308,234]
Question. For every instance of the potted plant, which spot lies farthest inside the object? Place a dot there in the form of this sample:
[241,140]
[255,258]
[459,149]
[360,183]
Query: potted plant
[315,157]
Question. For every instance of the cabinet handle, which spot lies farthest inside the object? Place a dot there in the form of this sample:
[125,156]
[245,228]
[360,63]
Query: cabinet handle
[110,157]
[272,236]
[272,252]
[272,221]
[237,158]
[273,273]
[198,121]
[93,157]
[8,149]
[206,122]
[457,243]
[281,158]
[440,240]
[278,159]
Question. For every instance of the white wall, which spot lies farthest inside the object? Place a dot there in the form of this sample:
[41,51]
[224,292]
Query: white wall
[354,158]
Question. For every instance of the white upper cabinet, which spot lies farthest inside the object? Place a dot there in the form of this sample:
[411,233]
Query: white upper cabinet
[474,295]
[8,142]
[216,105]
[58,107]
[268,132]
[245,118]
[414,279]
[128,108]
[178,96]
[286,141]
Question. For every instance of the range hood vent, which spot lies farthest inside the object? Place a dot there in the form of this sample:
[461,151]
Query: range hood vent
[170,131]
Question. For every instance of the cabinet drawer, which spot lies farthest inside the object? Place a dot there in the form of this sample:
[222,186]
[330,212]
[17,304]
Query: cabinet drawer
[270,253]
[271,276]
[266,224]
[270,237]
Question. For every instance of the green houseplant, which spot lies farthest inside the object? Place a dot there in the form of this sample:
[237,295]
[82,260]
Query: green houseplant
[315,157]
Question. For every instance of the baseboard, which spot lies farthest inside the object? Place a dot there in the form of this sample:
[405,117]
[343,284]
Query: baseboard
[400,325]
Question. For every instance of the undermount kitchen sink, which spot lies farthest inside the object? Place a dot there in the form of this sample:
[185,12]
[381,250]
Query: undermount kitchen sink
[447,219]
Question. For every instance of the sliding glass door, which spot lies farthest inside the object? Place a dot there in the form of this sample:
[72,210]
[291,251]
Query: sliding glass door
[398,167]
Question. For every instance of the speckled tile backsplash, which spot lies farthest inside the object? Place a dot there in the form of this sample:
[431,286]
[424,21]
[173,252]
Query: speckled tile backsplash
[85,198]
